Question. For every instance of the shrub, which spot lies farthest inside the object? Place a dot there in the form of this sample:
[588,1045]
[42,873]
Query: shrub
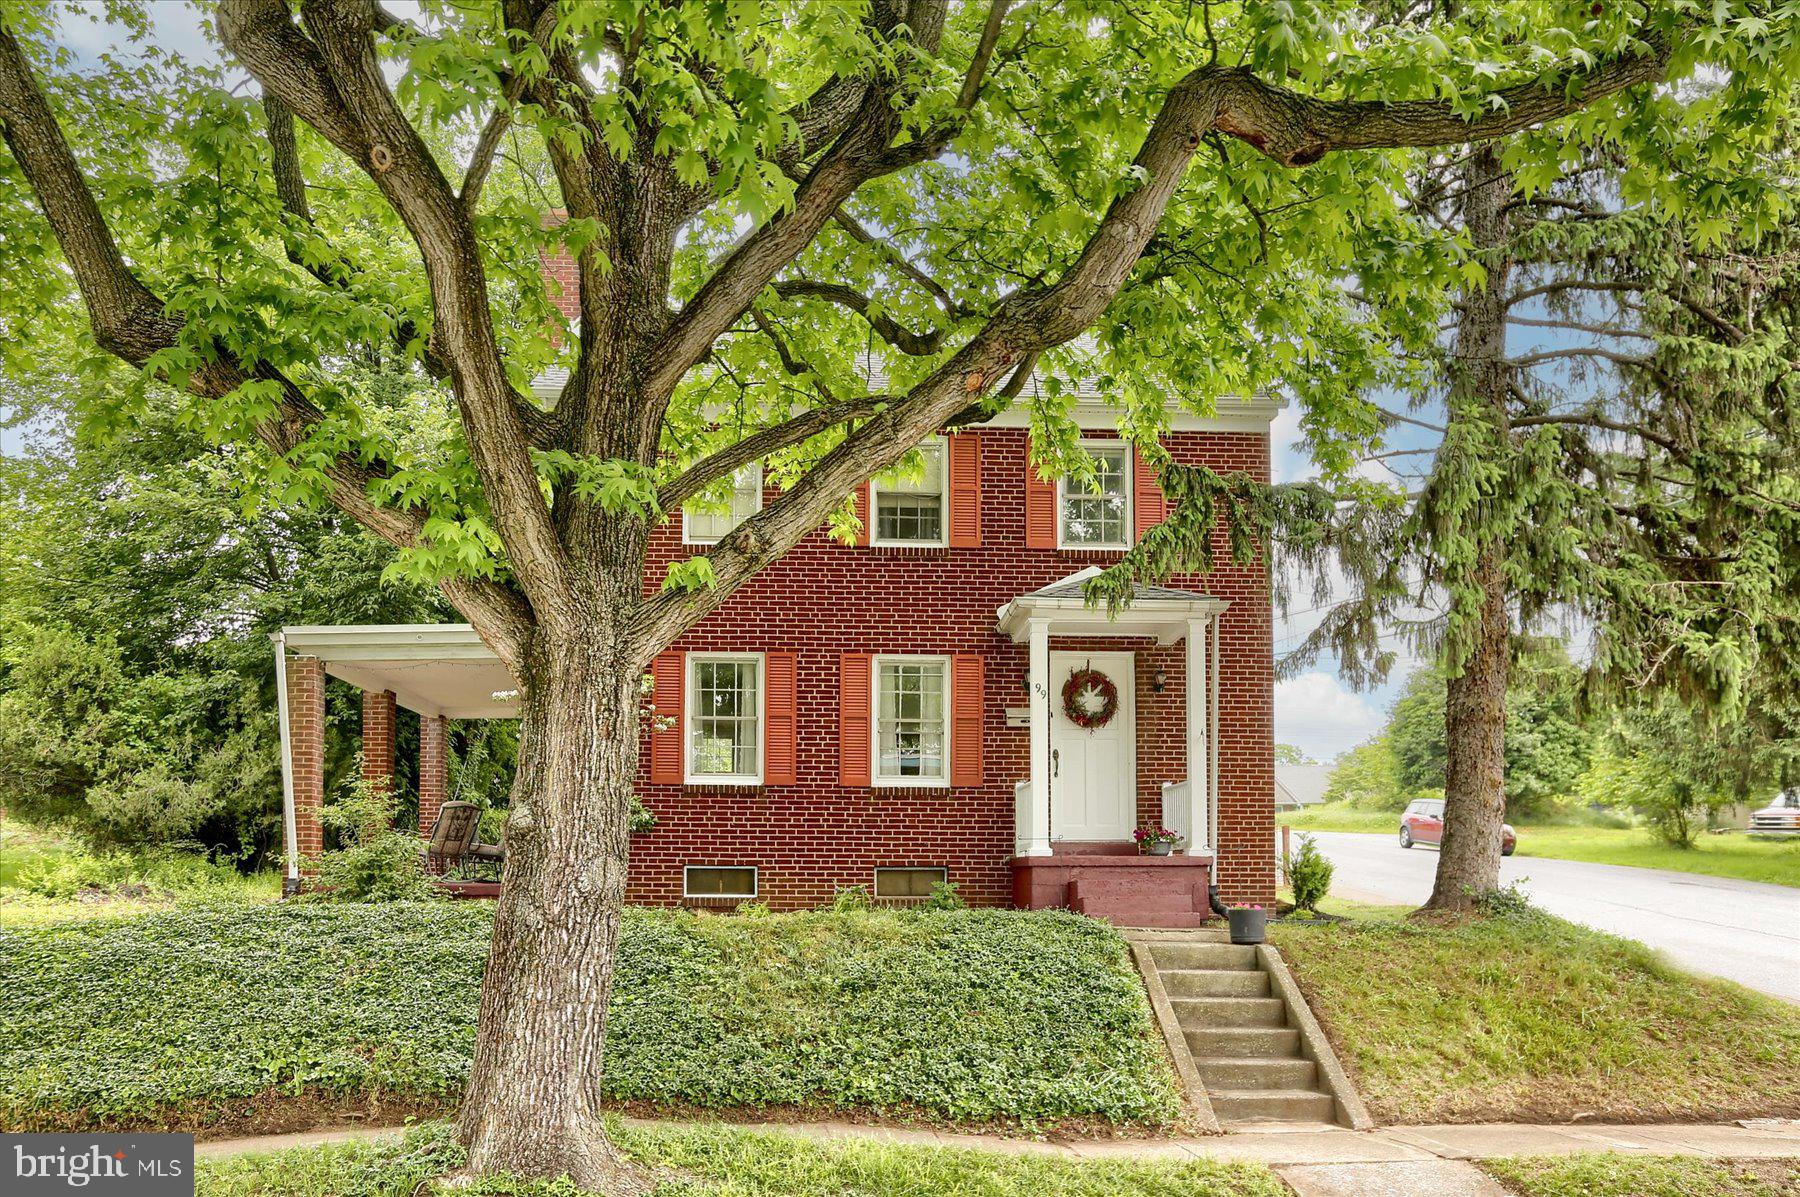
[851,899]
[1308,875]
[373,862]
[944,897]
[1025,1016]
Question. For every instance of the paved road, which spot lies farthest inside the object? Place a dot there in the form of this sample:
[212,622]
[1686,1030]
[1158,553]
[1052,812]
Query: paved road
[1744,930]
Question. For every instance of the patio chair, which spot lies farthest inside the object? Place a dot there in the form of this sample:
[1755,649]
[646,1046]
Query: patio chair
[454,836]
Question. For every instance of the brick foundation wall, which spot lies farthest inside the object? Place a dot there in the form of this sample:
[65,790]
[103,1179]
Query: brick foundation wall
[824,599]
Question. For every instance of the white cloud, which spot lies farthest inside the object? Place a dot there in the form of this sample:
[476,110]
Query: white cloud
[1322,716]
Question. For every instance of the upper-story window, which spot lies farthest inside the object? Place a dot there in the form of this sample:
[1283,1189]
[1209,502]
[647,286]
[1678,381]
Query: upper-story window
[710,521]
[724,719]
[1097,514]
[912,721]
[907,505]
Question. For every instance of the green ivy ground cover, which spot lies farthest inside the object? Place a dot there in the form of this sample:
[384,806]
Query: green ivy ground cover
[985,1015]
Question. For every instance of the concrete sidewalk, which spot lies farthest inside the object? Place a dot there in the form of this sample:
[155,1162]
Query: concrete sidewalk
[1278,1147]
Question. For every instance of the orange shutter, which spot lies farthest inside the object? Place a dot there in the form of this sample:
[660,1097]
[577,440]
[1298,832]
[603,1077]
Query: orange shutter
[666,672]
[1040,510]
[965,491]
[862,513]
[1147,499]
[779,707]
[856,739]
[965,720]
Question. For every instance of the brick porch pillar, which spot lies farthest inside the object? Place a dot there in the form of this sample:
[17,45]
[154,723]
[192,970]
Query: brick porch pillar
[434,768]
[306,740]
[378,715]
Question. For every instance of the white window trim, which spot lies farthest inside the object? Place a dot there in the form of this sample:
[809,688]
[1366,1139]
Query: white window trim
[876,779]
[1062,485]
[688,692]
[755,882]
[943,536]
[687,529]
[875,889]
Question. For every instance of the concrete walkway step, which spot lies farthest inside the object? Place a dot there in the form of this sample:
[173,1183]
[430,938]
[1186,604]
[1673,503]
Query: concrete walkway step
[1234,1106]
[1203,1014]
[1214,982]
[1229,1072]
[1416,1178]
[1258,1042]
[1203,955]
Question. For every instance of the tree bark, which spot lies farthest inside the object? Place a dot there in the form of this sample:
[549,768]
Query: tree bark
[532,1107]
[1475,707]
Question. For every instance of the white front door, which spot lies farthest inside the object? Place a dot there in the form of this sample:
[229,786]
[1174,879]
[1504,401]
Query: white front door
[1093,771]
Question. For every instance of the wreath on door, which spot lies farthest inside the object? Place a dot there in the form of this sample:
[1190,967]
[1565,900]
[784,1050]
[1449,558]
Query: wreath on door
[1090,699]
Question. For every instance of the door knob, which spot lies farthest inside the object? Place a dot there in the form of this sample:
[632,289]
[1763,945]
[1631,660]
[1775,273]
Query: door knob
[1056,762]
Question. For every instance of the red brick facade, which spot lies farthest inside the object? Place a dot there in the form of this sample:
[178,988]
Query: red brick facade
[434,769]
[826,599]
[379,711]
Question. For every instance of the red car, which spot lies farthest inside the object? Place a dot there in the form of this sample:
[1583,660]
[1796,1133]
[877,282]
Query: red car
[1423,823]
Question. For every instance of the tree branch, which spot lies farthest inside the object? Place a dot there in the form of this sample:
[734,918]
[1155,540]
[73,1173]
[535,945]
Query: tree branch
[1594,420]
[889,329]
[899,261]
[760,444]
[331,77]
[1580,351]
[984,53]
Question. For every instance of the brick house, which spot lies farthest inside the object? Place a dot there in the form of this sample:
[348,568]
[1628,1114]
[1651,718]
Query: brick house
[892,713]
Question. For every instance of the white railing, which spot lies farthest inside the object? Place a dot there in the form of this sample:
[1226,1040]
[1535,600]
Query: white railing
[1021,816]
[1177,810]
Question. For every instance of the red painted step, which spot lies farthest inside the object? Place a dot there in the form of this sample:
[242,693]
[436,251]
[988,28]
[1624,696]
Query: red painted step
[1135,899]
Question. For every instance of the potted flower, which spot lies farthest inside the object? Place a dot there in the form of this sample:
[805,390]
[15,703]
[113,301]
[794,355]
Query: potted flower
[1247,923]
[1156,841]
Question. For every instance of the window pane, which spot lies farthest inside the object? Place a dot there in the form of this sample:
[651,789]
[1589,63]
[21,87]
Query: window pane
[909,505]
[711,520]
[722,883]
[726,706]
[906,883]
[911,732]
[1096,516]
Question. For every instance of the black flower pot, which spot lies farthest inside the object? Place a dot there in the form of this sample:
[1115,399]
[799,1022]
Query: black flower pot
[1247,924]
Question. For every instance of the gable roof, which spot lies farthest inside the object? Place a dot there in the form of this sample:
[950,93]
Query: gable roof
[1301,785]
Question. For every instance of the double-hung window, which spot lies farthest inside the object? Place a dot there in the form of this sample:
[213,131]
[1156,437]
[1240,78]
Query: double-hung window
[724,719]
[912,721]
[907,503]
[1096,513]
[709,520]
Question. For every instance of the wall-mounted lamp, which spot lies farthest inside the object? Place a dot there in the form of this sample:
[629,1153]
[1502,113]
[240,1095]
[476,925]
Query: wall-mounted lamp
[1026,681]
[1159,681]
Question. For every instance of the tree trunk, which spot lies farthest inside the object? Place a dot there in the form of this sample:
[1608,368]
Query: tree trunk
[1475,741]
[1475,707]
[533,1103]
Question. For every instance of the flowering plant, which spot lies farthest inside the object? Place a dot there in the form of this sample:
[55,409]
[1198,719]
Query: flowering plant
[1157,835]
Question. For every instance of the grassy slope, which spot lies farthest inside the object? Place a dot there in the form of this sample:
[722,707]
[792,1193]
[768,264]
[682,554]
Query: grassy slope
[46,877]
[717,1162]
[1530,1018]
[183,1016]
[1774,861]
[1636,1176]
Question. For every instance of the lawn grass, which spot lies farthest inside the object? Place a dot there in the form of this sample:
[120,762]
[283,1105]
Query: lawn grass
[1530,1018]
[1640,1176]
[722,1162]
[221,1018]
[1776,862]
[48,877]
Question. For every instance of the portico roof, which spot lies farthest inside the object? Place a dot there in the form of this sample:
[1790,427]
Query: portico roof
[1160,611]
[432,668]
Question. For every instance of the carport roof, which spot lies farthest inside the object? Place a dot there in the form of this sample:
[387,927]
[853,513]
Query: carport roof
[432,668]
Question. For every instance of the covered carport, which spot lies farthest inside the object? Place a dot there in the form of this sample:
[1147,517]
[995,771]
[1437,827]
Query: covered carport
[441,671]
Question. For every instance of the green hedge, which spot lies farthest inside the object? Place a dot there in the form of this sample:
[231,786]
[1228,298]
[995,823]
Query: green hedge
[969,1015]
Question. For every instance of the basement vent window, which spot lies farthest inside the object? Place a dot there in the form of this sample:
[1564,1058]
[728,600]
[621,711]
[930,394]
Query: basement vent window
[711,881]
[907,883]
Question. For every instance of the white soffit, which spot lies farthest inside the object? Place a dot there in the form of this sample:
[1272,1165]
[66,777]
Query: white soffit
[434,669]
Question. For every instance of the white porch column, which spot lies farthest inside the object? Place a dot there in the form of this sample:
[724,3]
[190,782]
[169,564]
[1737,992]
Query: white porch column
[1198,680]
[1037,807]
[1212,779]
